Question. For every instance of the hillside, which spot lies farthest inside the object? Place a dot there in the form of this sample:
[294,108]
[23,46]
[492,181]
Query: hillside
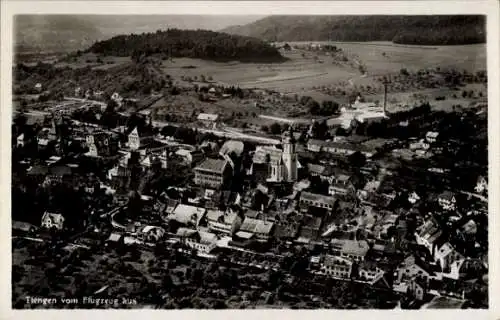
[200,44]
[53,33]
[421,30]
[64,33]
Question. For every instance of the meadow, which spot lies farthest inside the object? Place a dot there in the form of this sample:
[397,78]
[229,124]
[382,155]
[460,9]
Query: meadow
[307,69]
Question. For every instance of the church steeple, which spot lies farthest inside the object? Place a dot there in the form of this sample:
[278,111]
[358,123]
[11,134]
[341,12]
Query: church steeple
[289,156]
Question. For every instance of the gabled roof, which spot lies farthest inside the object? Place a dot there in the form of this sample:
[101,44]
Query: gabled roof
[208,117]
[334,260]
[256,226]
[354,247]
[317,198]
[212,165]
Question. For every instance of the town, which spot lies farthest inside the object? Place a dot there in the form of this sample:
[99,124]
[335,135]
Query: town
[180,192]
[387,211]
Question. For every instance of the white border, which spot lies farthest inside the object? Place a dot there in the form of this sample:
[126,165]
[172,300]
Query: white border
[489,8]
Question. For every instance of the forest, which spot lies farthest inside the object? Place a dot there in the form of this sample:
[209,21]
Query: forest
[415,30]
[201,44]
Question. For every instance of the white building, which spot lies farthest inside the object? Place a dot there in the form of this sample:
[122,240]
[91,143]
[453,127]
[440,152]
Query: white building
[52,220]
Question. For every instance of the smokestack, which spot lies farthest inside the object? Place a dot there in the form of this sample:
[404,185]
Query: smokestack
[385,97]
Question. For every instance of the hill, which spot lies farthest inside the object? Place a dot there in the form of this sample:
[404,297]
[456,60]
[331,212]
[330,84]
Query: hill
[53,33]
[64,33]
[200,44]
[421,30]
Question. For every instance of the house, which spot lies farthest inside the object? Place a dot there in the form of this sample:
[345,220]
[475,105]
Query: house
[417,289]
[223,222]
[447,200]
[151,233]
[446,255]
[310,228]
[369,272]
[428,235]
[421,146]
[315,145]
[413,197]
[261,229]
[101,144]
[413,267]
[354,250]
[336,267]
[209,120]
[431,136]
[213,173]
[187,215]
[481,184]
[189,156]
[21,140]
[341,185]
[52,220]
[308,199]
[201,241]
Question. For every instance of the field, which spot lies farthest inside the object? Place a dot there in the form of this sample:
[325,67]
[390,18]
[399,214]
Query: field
[303,71]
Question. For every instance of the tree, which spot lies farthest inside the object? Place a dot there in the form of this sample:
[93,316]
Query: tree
[357,159]
[275,128]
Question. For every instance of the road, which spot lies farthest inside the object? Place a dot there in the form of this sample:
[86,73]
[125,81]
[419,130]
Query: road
[480,197]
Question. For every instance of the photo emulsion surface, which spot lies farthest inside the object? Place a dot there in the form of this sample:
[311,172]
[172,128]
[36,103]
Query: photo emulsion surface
[249,162]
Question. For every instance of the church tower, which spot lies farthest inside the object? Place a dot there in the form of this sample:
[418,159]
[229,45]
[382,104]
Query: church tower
[289,156]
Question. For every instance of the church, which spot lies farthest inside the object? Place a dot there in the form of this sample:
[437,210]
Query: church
[280,165]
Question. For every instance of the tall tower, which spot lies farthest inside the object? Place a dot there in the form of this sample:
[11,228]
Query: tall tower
[289,156]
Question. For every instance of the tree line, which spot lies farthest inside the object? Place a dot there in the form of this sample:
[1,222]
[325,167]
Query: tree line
[421,30]
[201,44]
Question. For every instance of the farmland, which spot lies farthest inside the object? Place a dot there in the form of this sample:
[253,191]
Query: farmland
[303,70]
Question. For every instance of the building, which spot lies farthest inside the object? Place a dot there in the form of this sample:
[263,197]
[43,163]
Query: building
[339,148]
[101,144]
[281,164]
[336,267]
[223,222]
[351,249]
[308,199]
[481,185]
[428,235]
[20,140]
[446,255]
[252,227]
[52,220]
[369,272]
[209,120]
[411,268]
[417,289]
[151,233]
[413,197]
[138,139]
[187,215]
[189,156]
[213,173]
[201,241]
[341,185]
[447,200]
[431,136]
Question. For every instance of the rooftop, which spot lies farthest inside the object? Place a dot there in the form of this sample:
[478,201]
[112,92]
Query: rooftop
[317,198]
[212,165]
[208,117]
